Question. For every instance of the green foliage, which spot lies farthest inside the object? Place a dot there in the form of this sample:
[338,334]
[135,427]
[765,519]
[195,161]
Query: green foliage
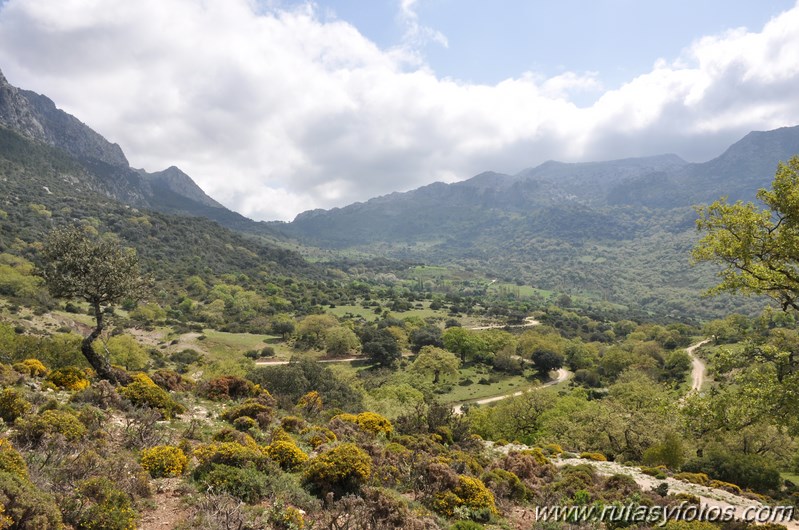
[51,422]
[246,483]
[340,341]
[286,454]
[598,457]
[11,461]
[148,394]
[28,507]
[69,378]
[341,470]
[288,383]
[99,505]
[32,368]
[746,470]
[13,405]
[435,361]
[164,461]
[227,387]
[251,408]
[230,454]
[125,351]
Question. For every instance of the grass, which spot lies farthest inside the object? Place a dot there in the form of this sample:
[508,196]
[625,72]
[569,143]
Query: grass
[793,477]
[500,384]
[368,314]
[222,345]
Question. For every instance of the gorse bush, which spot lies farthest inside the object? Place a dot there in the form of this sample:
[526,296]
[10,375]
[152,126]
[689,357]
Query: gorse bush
[27,507]
[286,454]
[164,461]
[245,483]
[11,460]
[31,367]
[13,405]
[69,378]
[231,454]
[469,493]
[51,422]
[370,422]
[147,394]
[341,470]
[99,505]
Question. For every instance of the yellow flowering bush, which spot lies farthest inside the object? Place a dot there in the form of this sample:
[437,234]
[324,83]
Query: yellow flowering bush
[368,421]
[286,454]
[341,470]
[318,436]
[12,405]
[231,454]
[470,493]
[69,378]
[31,367]
[145,392]
[597,457]
[164,461]
[11,461]
[99,505]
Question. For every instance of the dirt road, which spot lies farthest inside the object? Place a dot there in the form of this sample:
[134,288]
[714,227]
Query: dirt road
[563,375]
[698,366]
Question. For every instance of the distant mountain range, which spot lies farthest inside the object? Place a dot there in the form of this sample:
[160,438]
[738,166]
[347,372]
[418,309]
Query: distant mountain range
[618,231]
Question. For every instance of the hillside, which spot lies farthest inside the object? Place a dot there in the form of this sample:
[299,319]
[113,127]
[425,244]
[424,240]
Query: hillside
[618,231]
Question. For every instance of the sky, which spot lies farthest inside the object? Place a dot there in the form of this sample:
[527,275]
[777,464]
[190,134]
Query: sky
[275,107]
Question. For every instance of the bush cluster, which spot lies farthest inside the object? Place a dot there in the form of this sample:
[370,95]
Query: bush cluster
[341,470]
[370,422]
[144,393]
[286,454]
[51,422]
[69,378]
[13,405]
[31,367]
[164,461]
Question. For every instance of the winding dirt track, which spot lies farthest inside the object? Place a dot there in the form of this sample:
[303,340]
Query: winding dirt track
[563,375]
[698,368]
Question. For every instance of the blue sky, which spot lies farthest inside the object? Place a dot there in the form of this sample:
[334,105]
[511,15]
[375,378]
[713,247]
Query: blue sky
[487,42]
[279,106]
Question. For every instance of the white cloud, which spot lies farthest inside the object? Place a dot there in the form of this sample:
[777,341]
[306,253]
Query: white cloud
[273,111]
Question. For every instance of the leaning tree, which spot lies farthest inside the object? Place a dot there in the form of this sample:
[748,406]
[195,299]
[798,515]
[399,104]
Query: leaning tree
[97,270]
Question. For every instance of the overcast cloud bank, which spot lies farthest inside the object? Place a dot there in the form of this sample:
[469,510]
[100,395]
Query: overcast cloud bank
[275,111]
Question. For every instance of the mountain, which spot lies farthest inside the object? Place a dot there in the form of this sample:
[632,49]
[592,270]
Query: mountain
[106,169]
[619,231]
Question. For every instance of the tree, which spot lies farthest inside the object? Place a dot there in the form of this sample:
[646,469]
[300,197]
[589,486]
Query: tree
[380,345]
[546,360]
[340,340]
[432,360]
[758,248]
[98,271]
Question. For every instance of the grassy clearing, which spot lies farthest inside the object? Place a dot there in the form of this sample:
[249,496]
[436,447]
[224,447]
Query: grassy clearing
[495,384]
[793,477]
[520,291]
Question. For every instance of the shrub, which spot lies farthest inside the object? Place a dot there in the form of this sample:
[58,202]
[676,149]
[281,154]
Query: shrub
[318,436]
[11,461]
[341,470]
[553,449]
[694,478]
[469,493]
[164,461]
[50,422]
[747,470]
[251,408]
[310,403]
[31,367]
[148,394]
[101,394]
[287,455]
[99,505]
[726,486]
[26,506]
[466,525]
[506,485]
[227,387]
[230,454]
[171,381]
[292,423]
[69,378]
[596,457]
[538,455]
[245,483]
[284,517]
[368,421]
[13,405]
[245,424]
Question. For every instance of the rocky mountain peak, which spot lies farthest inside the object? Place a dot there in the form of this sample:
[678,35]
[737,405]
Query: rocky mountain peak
[36,117]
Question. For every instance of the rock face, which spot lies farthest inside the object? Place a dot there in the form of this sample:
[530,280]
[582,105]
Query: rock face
[176,181]
[36,117]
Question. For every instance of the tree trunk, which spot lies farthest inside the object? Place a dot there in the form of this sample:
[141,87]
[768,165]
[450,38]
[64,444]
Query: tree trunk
[97,362]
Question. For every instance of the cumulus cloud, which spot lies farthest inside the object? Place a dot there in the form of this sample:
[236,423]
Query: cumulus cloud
[274,111]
